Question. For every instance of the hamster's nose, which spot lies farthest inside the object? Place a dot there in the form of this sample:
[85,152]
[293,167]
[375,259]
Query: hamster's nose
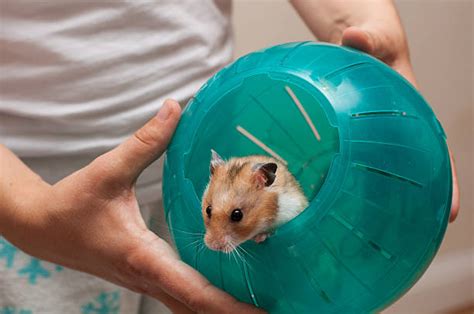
[211,242]
[216,244]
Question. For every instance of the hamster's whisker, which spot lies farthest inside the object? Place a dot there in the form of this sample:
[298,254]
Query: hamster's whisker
[229,252]
[182,234]
[244,251]
[235,258]
[242,258]
[202,246]
[238,255]
[193,244]
[188,237]
[200,249]
[241,253]
[235,251]
[187,232]
[190,234]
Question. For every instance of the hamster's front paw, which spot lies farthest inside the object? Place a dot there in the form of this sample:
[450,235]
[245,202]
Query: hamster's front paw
[259,238]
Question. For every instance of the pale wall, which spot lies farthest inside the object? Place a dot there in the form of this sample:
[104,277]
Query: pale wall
[440,35]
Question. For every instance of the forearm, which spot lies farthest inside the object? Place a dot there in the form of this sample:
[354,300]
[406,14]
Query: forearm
[327,19]
[20,189]
[372,26]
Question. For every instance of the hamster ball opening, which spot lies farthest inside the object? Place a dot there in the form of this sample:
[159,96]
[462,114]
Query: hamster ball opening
[283,119]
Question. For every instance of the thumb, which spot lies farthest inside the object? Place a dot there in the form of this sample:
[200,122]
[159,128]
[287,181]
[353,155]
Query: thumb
[131,157]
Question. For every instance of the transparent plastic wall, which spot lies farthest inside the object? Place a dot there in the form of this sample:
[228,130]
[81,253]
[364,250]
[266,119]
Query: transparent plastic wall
[366,148]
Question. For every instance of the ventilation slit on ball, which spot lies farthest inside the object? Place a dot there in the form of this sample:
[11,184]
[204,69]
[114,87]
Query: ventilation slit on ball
[362,236]
[317,287]
[346,68]
[342,263]
[368,114]
[387,174]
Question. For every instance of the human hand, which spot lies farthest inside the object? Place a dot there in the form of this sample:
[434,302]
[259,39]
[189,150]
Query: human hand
[90,221]
[389,45]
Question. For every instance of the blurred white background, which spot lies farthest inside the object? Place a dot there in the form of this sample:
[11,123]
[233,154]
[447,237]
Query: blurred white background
[440,34]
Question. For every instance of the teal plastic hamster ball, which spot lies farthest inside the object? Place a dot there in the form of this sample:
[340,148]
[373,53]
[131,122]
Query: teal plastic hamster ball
[366,148]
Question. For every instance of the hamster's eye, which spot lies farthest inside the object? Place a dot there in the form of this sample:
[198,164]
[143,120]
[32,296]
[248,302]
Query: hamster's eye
[208,211]
[236,215]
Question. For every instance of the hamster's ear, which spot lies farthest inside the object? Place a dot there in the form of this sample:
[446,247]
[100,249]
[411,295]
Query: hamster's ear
[265,174]
[216,161]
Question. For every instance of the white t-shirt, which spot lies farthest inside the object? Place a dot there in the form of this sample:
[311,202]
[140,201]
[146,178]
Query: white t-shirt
[78,77]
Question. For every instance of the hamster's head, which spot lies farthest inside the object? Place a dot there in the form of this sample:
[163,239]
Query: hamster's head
[236,205]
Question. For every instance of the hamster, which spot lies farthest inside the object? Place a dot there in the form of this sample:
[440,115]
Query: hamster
[247,198]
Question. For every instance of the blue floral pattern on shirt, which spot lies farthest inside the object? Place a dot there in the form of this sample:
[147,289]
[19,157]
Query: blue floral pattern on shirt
[33,271]
[104,303]
[7,253]
[14,310]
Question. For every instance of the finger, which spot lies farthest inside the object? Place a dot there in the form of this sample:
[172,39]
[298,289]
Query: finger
[405,69]
[130,158]
[159,266]
[359,39]
[387,48]
[378,47]
[455,203]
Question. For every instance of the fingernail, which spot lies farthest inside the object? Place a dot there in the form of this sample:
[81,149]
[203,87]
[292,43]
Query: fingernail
[164,112]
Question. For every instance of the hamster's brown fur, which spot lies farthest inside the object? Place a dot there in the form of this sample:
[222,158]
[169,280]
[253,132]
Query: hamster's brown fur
[240,183]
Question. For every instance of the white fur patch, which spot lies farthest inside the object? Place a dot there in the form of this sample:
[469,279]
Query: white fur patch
[289,206]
